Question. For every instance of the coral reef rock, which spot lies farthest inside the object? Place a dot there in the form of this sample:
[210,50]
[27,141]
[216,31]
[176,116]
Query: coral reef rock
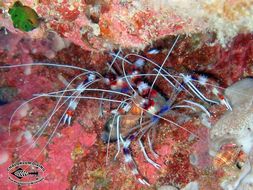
[102,25]
[236,127]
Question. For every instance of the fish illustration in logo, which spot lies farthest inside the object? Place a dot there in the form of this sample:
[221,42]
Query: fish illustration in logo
[20,173]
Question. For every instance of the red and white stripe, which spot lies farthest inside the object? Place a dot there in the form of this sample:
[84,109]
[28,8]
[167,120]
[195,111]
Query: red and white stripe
[70,112]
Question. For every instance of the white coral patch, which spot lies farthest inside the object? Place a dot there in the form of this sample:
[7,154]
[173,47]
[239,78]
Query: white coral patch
[192,186]
[3,157]
[28,70]
[237,127]
[234,123]
[246,140]
[24,110]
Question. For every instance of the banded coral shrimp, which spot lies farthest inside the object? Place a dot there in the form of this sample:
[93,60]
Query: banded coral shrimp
[139,106]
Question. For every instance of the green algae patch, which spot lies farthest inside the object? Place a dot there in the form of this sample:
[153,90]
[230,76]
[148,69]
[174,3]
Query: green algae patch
[24,17]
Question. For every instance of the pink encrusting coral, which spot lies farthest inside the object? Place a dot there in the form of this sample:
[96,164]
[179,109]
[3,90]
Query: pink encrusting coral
[101,25]
[62,153]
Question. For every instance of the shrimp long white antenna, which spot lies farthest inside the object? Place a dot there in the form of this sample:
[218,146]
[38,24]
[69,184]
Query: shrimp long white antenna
[125,75]
[157,166]
[129,160]
[101,109]
[207,83]
[17,109]
[41,130]
[146,59]
[122,58]
[150,143]
[187,81]
[163,75]
[152,62]
[179,126]
[164,78]
[26,102]
[113,61]
[118,136]
[38,131]
[109,91]
[150,146]
[50,64]
[110,132]
[56,108]
[180,86]
[164,61]
[172,122]
[57,125]
[143,131]
[80,97]
[72,104]
[199,106]
[87,89]
[183,106]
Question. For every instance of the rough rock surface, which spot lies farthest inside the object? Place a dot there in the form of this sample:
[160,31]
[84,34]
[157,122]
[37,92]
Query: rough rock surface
[105,24]
[233,123]
[236,127]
